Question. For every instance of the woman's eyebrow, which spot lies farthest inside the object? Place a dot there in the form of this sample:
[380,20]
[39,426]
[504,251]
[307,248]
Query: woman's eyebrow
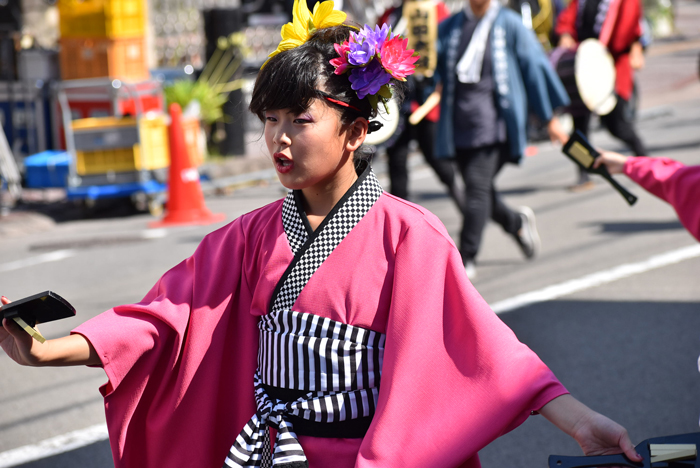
[305,114]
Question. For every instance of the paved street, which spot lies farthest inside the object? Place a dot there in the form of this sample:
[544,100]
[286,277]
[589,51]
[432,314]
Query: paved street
[626,347]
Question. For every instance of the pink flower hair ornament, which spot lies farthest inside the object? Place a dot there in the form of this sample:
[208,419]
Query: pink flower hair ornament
[373,58]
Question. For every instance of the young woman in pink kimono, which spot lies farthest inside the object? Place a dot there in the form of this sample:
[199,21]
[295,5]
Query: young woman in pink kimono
[333,328]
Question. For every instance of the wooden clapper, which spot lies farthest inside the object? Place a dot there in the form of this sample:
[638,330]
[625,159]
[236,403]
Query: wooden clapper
[676,451]
[420,26]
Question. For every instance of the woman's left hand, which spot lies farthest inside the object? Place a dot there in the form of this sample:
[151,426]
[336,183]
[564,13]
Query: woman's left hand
[595,433]
[599,435]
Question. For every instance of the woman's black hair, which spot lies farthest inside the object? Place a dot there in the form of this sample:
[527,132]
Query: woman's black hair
[290,79]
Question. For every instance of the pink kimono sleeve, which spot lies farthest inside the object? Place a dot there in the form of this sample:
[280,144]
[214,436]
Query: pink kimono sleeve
[180,362]
[455,377]
[139,333]
[673,182]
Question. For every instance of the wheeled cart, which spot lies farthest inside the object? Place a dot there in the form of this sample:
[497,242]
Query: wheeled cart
[120,156]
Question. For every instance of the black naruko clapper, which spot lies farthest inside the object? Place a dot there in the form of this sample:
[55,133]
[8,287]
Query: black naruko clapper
[580,151]
[559,461]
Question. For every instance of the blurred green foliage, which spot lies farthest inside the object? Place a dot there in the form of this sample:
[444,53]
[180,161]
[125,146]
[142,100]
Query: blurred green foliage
[212,88]
[210,99]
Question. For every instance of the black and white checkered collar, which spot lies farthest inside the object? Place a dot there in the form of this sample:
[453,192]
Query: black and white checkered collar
[311,248]
[296,224]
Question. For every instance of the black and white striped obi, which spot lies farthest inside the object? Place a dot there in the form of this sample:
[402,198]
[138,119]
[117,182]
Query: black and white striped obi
[315,376]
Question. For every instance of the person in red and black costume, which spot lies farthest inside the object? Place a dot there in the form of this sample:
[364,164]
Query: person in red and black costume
[616,23]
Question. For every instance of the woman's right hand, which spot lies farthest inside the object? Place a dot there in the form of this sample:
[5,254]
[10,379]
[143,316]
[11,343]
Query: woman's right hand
[18,344]
[71,350]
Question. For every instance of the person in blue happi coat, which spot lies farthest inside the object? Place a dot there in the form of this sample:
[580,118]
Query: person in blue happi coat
[492,69]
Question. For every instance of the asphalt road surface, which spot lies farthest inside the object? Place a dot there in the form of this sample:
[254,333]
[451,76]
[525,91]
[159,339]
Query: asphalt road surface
[627,345]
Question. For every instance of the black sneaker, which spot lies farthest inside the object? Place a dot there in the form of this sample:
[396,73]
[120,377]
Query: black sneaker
[527,237]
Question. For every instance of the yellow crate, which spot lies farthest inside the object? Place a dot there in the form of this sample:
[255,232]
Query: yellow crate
[102,122]
[103,161]
[154,142]
[102,18]
[153,151]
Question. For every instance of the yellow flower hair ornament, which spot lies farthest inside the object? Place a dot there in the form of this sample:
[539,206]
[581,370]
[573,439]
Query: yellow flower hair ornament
[304,23]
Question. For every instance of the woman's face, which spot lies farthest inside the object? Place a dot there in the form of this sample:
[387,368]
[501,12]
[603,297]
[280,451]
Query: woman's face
[309,150]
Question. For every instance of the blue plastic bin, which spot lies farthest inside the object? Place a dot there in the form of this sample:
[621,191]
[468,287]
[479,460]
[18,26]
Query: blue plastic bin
[25,115]
[48,169]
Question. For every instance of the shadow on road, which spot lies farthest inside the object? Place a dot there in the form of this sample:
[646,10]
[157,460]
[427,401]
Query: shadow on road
[97,455]
[681,123]
[525,190]
[659,150]
[427,196]
[61,211]
[635,362]
[535,189]
[626,227]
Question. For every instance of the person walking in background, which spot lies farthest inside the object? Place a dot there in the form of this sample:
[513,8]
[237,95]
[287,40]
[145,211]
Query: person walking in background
[671,181]
[617,24]
[492,69]
[420,86]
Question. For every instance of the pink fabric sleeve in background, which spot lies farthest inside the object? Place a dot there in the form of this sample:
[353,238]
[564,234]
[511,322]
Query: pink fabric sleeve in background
[673,182]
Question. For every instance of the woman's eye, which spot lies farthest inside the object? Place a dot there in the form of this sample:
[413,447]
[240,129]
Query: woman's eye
[270,119]
[301,121]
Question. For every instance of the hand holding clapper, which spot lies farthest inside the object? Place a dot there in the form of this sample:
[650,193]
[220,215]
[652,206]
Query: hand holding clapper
[674,451]
[39,308]
[582,153]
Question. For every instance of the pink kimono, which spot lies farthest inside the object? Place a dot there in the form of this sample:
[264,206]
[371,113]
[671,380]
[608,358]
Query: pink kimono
[181,362]
[673,182]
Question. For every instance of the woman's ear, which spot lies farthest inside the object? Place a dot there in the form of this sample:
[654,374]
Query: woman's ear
[356,133]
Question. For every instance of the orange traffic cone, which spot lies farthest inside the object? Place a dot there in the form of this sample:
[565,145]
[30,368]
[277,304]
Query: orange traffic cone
[185,199]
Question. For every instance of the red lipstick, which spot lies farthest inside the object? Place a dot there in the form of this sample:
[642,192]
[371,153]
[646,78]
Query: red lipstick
[283,163]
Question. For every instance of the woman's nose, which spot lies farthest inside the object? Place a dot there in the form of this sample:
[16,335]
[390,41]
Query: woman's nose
[282,138]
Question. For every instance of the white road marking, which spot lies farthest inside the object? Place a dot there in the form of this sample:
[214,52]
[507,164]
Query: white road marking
[81,438]
[39,259]
[596,279]
[154,233]
[54,446]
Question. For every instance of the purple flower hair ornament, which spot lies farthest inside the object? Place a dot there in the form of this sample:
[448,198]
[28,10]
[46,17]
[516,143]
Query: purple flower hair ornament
[373,38]
[361,56]
[369,79]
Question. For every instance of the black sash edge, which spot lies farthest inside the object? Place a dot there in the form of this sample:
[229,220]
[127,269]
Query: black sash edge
[349,429]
